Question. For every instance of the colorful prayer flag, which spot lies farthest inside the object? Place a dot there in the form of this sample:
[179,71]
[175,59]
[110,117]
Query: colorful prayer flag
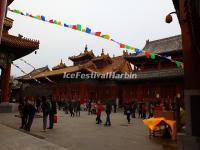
[38,17]
[122,46]
[127,46]
[55,22]
[152,55]
[74,27]
[98,33]
[106,37]
[79,27]
[51,21]
[65,25]
[147,54]
[59,23]
[88,30]
[43,18]
[178,64]
[137,50]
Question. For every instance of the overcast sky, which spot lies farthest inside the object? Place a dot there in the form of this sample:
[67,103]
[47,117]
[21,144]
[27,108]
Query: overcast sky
[128,21]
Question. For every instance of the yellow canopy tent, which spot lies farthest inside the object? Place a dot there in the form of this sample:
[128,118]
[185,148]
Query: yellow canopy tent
[153,123]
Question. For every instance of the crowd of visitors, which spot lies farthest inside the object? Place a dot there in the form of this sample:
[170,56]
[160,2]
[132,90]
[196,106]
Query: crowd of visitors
[48,107]
[28,109]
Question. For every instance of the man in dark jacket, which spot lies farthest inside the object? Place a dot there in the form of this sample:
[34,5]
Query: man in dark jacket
[108,112]
[29,112]
[52,112]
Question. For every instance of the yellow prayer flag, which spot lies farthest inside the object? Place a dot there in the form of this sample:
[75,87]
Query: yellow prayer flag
[59,23]
[107,37]
[132,48]
[38,17]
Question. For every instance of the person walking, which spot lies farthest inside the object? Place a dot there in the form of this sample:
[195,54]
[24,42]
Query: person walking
[128,113]
[21,113]
[78,108]
[133,109]
[151,110]
[38,104]
[108,111]
[144,111]
[89,103]
[30,110]
[45,109]
[140,110]
[115,107]
[71,109]
[52,112]
[99,109]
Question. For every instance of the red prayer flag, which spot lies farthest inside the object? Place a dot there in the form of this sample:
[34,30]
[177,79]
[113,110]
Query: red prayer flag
[147,54]
[98,33]
[51,21]
[122,46]
[74,27]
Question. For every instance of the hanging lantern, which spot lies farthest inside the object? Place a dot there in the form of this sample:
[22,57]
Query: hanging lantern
[168,18]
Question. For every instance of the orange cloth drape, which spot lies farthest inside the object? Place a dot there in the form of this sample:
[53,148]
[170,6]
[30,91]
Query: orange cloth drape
[152,123]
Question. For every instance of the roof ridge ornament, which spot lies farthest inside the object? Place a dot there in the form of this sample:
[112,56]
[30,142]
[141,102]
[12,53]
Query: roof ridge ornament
[86,48]
[102,52]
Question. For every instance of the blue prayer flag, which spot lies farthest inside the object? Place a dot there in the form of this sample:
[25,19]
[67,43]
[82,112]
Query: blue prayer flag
[65,25]
[43,18]
[88,30]
[137,51]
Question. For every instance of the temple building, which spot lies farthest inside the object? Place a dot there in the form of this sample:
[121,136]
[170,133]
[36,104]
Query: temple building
[155,80]
[158,79]
[78,88]
[11,49]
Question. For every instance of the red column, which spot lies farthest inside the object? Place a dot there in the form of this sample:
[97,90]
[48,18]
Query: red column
[3,4]
[5,82]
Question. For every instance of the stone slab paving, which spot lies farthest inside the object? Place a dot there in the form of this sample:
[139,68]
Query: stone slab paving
[11,139]
[81,133]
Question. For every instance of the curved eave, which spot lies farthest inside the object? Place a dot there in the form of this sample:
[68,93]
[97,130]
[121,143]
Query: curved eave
[9,2]
[19,47]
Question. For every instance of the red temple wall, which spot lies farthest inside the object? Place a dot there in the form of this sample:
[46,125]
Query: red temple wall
[126,92]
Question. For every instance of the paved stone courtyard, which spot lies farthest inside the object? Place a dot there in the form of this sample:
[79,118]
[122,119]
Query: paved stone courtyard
[81,133]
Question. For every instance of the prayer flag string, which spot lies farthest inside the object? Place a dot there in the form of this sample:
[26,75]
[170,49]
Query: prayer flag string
[79,27]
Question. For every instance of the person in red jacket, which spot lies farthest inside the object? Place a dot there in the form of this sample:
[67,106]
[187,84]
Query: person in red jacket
[99,109]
